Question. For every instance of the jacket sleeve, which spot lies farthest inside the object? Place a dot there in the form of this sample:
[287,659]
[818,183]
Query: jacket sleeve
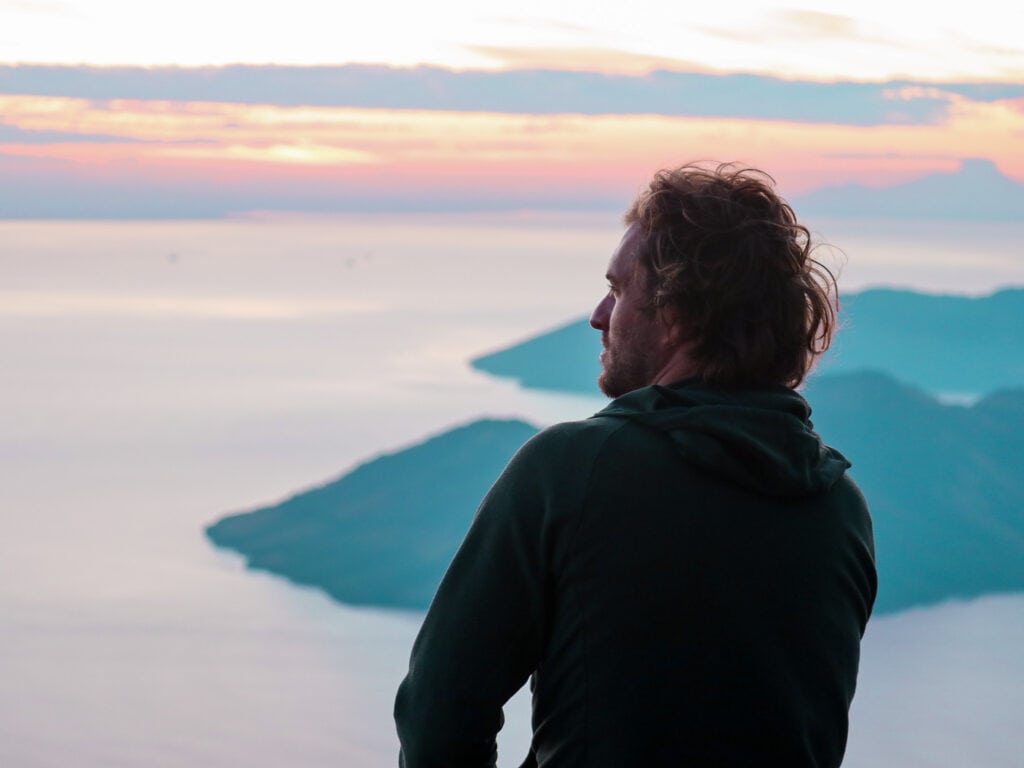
[483,634]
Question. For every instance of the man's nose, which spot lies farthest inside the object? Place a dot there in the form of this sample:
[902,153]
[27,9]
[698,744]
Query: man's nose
[599,317]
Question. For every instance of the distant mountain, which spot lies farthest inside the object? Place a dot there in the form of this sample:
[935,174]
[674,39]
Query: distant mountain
[564,359]
[977,191]
[944,344]
[936,343]
[943,482]
[384,533]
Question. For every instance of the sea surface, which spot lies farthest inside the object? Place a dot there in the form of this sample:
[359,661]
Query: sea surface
[155,376]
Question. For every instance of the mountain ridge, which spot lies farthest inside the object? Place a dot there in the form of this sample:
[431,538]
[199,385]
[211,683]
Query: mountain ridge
[938,342]
[978,191]
[942,483]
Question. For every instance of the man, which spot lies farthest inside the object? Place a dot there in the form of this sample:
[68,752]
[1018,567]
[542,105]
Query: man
[687,575]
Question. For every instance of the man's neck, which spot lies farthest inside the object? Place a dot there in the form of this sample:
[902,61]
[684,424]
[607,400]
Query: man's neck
[678,367]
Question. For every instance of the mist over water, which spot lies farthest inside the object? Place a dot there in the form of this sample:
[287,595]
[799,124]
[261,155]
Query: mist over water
[158,375]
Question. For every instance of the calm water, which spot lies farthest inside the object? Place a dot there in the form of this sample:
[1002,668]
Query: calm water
[158,375]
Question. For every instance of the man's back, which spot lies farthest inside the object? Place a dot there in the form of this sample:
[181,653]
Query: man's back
[687,576]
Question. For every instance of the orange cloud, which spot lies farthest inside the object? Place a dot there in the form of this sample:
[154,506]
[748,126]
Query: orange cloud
[821,25]
[321,152]
[585,59]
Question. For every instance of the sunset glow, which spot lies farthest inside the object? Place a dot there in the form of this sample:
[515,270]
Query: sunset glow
[346,149]
[525,106]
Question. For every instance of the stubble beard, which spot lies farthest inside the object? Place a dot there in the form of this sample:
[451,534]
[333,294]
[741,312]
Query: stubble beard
[627,364]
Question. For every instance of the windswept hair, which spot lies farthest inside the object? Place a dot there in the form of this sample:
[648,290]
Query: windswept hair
[727,260]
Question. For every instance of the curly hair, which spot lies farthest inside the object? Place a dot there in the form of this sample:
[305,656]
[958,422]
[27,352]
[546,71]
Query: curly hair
[726,259]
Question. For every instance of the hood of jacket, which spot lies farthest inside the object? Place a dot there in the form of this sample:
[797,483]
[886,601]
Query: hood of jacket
[761,439]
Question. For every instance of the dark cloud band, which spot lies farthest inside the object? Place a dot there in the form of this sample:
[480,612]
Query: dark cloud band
[680,94]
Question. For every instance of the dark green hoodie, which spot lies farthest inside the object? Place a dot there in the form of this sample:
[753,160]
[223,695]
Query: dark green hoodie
[687,576]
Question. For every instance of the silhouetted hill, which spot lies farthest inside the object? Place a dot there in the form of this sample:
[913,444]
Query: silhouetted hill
[563,359]
[384,533]
[938,343]
[977,191]
[943,482]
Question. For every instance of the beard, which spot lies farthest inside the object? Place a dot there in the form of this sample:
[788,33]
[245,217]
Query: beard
[627,363]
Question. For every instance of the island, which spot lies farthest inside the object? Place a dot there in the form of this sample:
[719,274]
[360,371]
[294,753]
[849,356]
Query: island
[956,345]
[943,482]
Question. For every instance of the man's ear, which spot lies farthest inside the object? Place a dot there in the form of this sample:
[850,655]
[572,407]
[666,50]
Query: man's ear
[675,335]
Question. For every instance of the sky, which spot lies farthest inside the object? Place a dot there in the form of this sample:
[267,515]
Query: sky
[114,109]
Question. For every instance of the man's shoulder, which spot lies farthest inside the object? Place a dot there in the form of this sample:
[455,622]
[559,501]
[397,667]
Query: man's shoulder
[568,444]
[594,427]
[581,435]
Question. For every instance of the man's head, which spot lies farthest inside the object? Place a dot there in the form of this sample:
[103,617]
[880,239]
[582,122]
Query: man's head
[640,346]
[714,278]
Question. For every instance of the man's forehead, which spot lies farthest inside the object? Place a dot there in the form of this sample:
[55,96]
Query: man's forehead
[624,262]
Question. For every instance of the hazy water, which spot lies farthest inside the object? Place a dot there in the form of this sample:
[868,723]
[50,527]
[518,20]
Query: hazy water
[158,375]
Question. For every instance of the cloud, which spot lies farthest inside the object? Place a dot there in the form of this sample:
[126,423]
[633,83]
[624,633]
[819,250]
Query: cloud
[10,134]
[820,25]
[583,59]
[536,24]
[793,25]
[521,91]
[181,143]
[879,46]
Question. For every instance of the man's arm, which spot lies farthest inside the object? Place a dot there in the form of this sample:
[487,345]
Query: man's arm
[483,634]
